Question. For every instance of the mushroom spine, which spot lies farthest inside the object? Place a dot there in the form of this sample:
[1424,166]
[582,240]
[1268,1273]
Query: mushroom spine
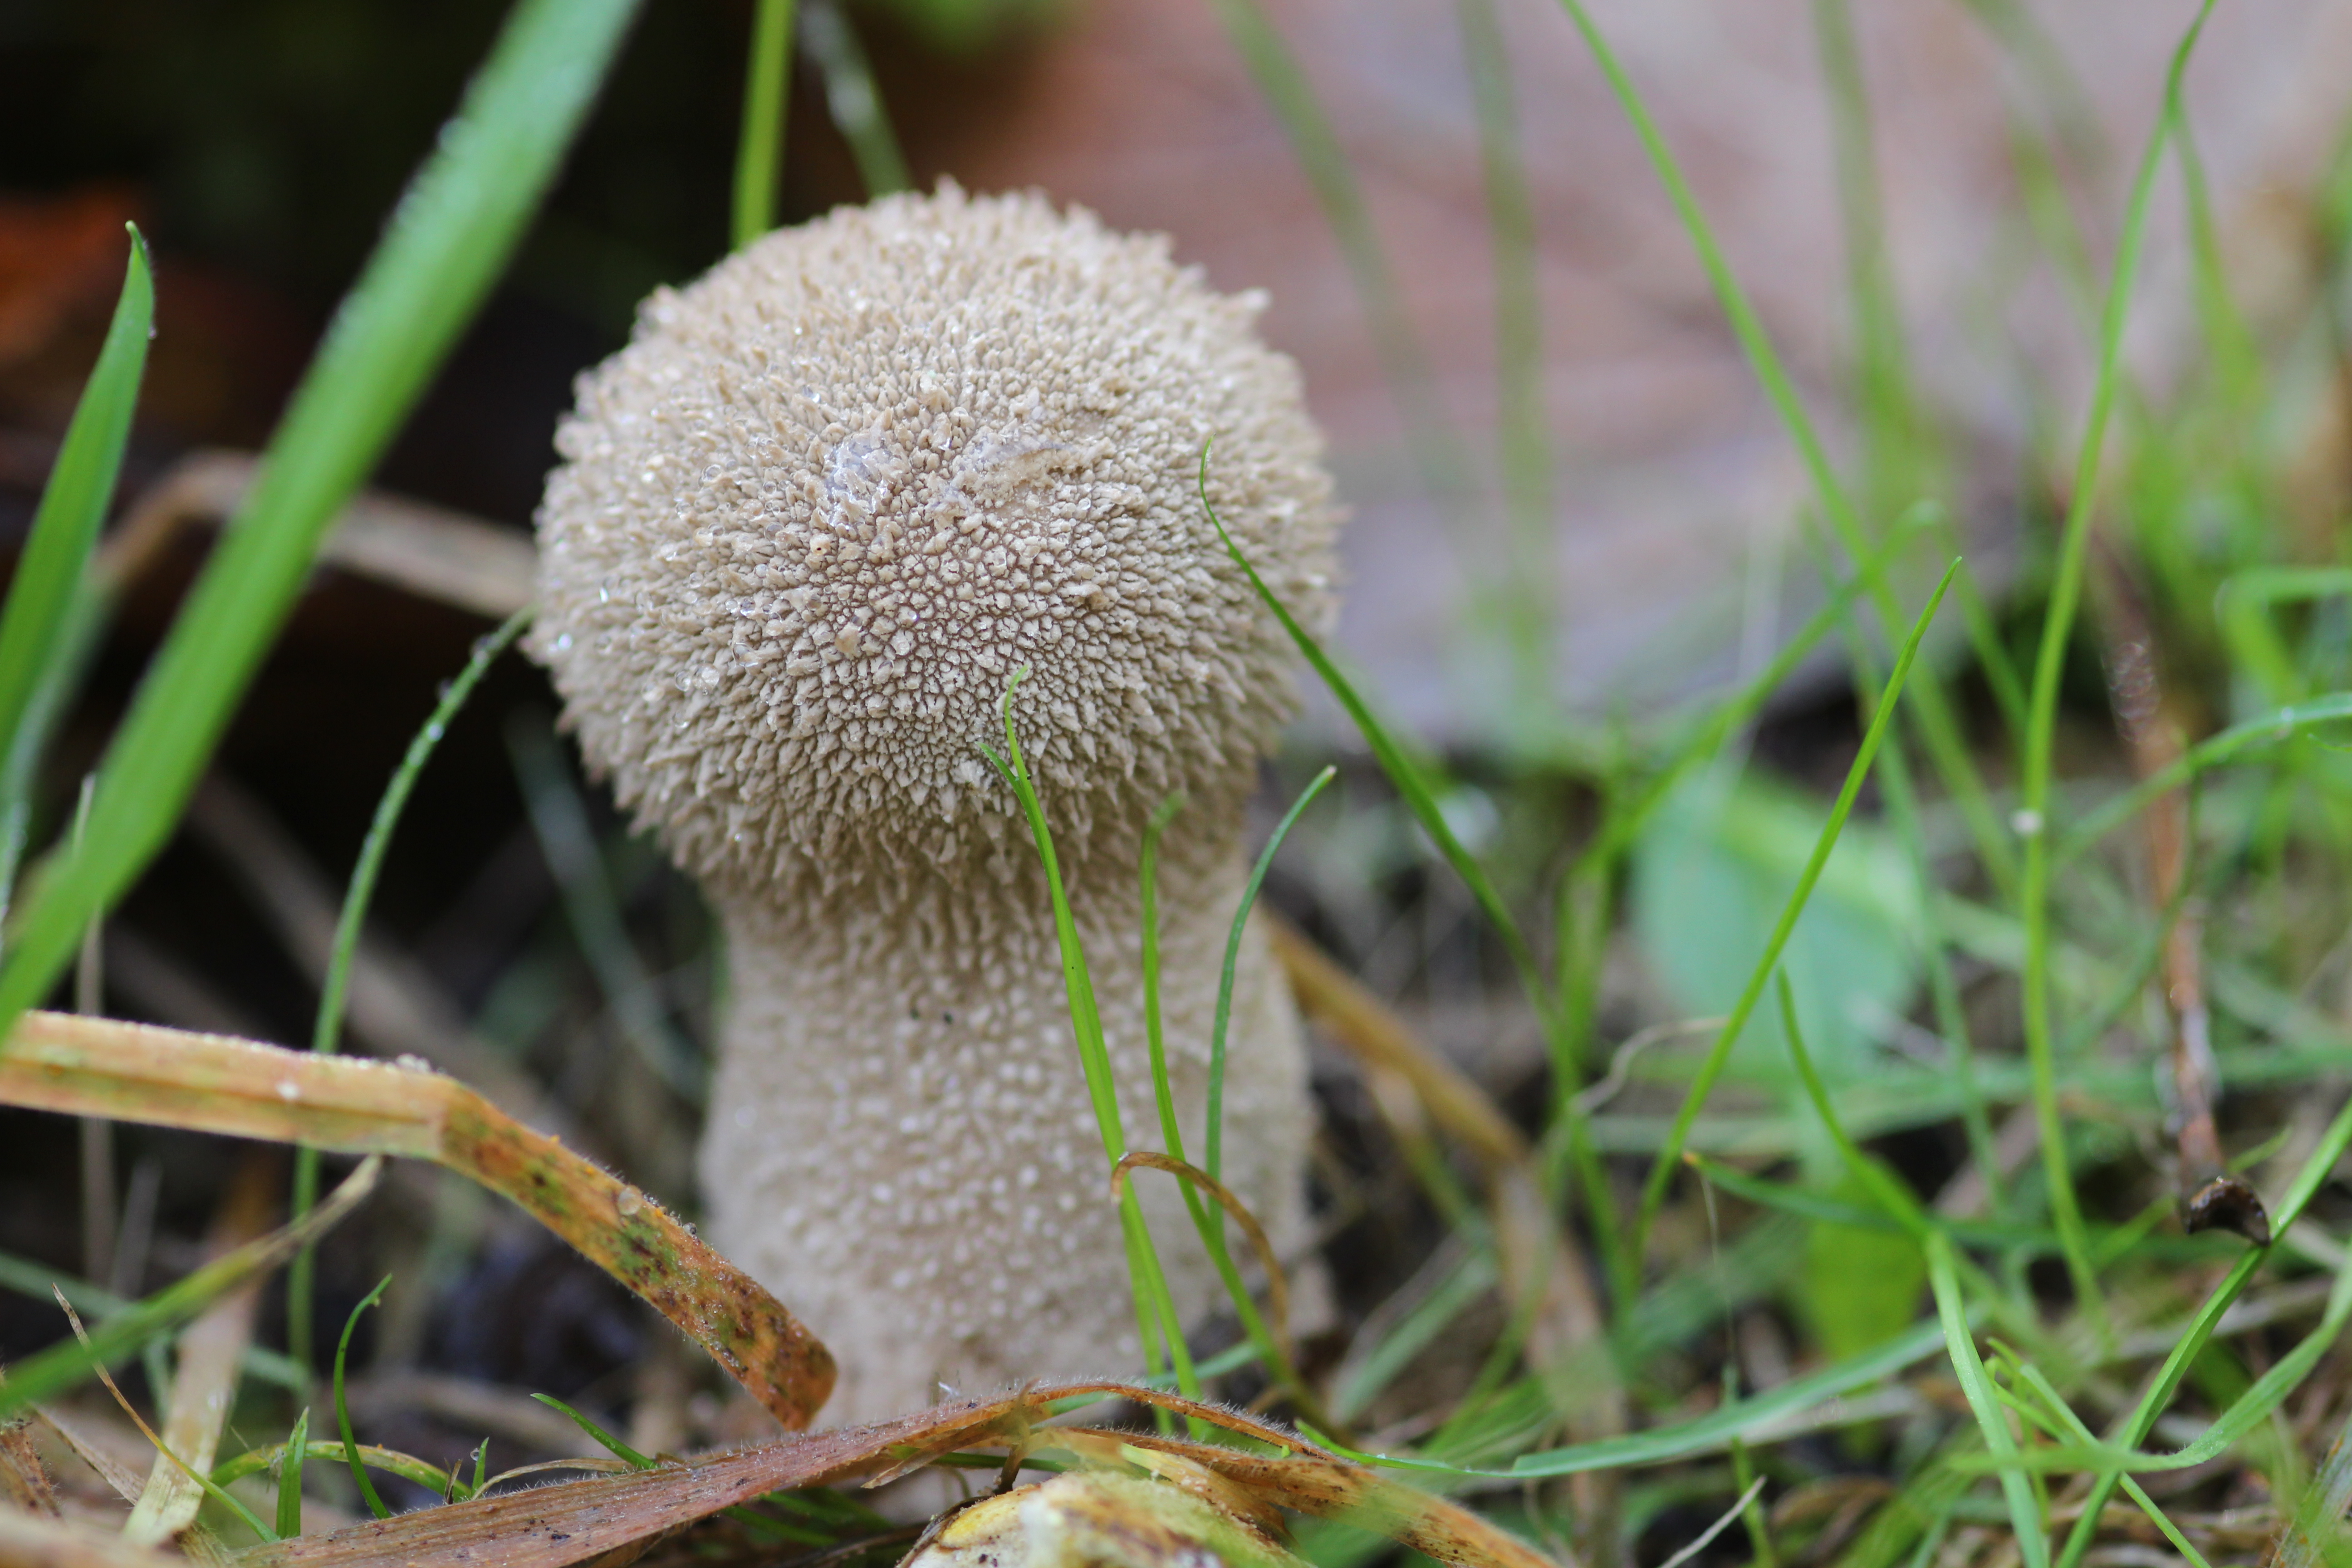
[808,523]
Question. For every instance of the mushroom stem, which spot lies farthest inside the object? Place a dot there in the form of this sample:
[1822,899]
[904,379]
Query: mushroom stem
[915,1167]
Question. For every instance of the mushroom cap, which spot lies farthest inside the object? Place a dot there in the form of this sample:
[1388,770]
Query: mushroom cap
[833,494]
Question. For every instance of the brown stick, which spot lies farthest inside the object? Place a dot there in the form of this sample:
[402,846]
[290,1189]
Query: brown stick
[2211,1199]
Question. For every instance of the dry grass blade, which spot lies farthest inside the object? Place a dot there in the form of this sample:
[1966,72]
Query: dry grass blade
[575,1521]
[1277,1284]
[1365,1027]
[435,555]
[61,1366]
[24,1483]
[27,1540]
[1540,1270]
[212,1349]
[210,1083]
[1329,1488]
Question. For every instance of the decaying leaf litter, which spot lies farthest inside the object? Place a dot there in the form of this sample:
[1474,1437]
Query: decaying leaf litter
[1733,1310]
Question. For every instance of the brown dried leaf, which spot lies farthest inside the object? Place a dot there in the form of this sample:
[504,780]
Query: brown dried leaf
[212,1083]
[575,1521]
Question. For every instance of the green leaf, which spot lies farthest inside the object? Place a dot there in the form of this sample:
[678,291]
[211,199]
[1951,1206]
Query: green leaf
[1710,877]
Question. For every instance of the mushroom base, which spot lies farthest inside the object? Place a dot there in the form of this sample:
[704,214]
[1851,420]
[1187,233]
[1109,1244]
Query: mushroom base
[901,1144]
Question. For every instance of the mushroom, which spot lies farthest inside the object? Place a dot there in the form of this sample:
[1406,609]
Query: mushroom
[809,523]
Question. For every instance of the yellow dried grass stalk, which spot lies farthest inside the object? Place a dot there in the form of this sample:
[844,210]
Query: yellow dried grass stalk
[214,1083]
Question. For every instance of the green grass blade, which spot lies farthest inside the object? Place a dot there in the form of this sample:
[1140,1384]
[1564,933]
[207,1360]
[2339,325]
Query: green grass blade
[1899,1205]
[559,820]
[450,237]
[392,1462]
[2041,721]
[2159,1392]
[326,1029]
[597,1435]
[1959,1343]
[1524,447]
[1742,1419]
[1410,781]
[289,1477]
[1154,1037]
[1939,727]
[2214,751]
[1154,1304]
[343,1409]
[1669,1157]
[2072,1425]
[852,98]
[1436,446]
[760,152]
[1214,1138]
[47,1373]
[1404,772]
[51,582]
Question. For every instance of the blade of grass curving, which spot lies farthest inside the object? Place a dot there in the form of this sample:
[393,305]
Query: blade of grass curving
[1148,879]
[852,98]
[1524,447]
[1889,1193]
[2042,719]
[559,820]
[598,1436]
[1153,1302]
[1403,770]
[51,584]
[1406,776]
[1943,985]
[451,234]
[1727,717]
[2193,1339]
[1938,725]
[290,1477]
[2270,729]
[760,149]
[1262,1345]
[133,1528]
[2063,1422]
[1214,1138]
[1653,1190]
[1959,1343]
[1436,446]
[343,1409]
[285,1458]
[1748,1418]
[49,1372]
[326,1030]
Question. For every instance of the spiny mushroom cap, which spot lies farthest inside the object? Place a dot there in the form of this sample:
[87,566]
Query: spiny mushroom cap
[835,492]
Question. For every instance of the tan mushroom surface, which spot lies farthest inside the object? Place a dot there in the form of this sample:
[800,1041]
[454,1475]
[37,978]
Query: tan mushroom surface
[809,523]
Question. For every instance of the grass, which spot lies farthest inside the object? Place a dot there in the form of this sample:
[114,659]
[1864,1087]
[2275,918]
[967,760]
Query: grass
[1995,1112]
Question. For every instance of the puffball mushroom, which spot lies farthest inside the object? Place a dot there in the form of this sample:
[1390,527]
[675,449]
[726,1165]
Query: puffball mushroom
[810,522]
